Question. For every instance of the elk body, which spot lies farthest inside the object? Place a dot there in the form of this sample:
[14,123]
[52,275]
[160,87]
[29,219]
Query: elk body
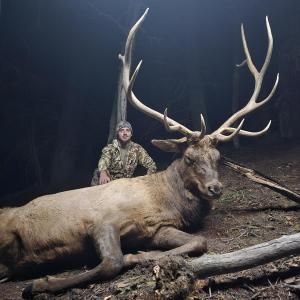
[126,214]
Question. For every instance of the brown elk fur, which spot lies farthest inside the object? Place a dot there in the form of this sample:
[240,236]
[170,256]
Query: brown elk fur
[58,225]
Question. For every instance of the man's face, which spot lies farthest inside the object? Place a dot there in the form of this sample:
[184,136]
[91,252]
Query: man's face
[124,135]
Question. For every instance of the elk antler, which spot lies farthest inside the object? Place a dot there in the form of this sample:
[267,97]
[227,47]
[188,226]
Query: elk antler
[170,124]
[219,134]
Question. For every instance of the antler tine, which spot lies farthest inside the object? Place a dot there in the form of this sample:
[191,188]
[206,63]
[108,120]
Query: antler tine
[195,135]
[170,128]
[248,60]
[249,133]
[224,138]
[258,76]
[202,127]
[169,123]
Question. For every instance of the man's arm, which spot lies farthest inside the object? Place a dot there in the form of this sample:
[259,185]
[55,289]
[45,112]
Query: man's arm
[146,161]
[103,165]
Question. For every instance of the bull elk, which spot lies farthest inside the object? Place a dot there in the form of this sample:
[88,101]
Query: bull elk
[153,210]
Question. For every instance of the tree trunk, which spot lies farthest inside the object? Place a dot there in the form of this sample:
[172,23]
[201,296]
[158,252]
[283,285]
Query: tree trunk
[194,73]
[119,109]
[235,101]
[289,68]
[236,83]
[197,103]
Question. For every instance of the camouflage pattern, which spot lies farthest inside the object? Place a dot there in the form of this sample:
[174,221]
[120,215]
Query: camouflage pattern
[111,161]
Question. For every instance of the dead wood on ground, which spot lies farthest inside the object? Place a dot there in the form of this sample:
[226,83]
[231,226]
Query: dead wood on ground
[261,179]
[175,277]
[210,265]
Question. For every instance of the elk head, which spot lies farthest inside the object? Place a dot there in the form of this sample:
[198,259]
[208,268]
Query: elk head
[198,164]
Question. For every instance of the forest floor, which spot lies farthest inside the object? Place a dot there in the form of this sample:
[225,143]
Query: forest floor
[246,214]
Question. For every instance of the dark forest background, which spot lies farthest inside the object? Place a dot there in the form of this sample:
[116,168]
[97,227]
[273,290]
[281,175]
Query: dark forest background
[59,69]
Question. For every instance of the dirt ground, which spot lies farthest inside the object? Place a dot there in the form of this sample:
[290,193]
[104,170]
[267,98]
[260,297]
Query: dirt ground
[246,214]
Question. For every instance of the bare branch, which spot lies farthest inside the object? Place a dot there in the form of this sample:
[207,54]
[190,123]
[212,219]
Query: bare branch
[261,179]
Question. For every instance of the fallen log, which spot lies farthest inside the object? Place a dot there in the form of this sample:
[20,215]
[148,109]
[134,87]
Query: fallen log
[261,179]
[173,277]
[210,265]
[217,264]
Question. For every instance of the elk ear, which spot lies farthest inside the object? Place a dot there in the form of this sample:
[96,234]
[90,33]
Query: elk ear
[171,145]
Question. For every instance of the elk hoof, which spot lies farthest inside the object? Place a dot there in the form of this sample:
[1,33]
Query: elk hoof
[4,273]
[199,246]
[27,292]
[203,245]
[4,279]
[35,288]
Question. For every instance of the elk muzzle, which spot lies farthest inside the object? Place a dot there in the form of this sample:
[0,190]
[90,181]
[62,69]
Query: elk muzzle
[215,189]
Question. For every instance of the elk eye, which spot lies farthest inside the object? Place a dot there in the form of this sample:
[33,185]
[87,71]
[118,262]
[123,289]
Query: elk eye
[188,160]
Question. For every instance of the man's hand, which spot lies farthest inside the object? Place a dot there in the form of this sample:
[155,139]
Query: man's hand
[104,178]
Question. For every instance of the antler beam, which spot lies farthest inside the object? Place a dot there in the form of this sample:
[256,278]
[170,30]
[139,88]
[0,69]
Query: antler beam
[220,133]
[226,131]
[169,123]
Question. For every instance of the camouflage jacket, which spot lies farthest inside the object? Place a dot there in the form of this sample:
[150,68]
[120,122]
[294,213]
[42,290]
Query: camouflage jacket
[111,161]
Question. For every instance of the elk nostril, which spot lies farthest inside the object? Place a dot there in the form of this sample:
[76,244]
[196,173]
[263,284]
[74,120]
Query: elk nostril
[216,190]
[212,189]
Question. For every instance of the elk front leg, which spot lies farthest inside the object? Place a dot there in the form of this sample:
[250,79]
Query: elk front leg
[176,242]
[107,243]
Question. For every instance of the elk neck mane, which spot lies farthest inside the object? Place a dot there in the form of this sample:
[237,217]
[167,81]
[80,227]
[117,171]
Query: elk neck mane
[190,205]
